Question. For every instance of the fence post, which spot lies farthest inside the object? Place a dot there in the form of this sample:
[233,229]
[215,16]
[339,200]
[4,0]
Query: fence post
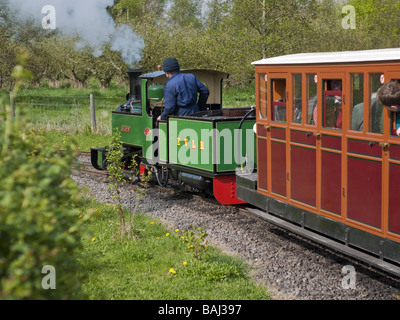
[12,103]
[92,112]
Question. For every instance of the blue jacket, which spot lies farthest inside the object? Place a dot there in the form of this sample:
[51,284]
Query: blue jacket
[180,95]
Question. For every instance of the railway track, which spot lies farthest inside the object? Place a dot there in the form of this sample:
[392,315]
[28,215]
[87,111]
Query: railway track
[83,164]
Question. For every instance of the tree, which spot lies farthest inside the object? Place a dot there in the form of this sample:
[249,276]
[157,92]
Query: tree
[377,23]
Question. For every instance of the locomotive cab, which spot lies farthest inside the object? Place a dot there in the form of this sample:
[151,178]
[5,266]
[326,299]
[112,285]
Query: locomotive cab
[154,83]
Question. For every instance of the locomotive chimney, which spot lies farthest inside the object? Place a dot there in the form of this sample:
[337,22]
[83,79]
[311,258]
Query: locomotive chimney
[135,84]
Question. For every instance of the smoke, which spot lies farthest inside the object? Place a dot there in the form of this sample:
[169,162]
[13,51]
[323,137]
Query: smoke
[90,21]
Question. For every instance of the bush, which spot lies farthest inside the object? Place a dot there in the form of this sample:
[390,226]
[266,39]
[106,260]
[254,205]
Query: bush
[39,222]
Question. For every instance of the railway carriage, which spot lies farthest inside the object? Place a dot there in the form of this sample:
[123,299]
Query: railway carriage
[328,157]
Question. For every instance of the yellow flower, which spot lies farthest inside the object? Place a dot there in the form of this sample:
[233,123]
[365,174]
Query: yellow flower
[176,230]
[190,246]
[167,234]
[184,263]
[152,222]
[93,239]
[172,271]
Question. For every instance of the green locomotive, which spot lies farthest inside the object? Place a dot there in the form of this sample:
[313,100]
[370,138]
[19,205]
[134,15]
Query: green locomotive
[200,152]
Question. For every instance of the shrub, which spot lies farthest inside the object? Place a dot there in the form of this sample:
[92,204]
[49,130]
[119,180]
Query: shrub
[39,222]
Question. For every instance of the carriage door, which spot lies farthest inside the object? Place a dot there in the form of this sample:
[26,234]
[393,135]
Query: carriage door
[277,141]
[365,152]
[329,120]
[393,220]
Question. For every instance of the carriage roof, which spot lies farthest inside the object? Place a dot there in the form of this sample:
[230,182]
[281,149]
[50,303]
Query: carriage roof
[375,55]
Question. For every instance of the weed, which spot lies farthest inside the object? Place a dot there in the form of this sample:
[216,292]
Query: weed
[195,240]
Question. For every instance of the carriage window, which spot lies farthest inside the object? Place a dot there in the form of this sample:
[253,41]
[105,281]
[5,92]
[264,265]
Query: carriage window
[297,98]
[332,103]
[357,102]
[278,100]
[262,95]
[375,109]
[311,97]
[395,121]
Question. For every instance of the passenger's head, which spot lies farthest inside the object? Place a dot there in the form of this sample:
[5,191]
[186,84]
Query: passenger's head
[171,65]
[389,95]
[336,85]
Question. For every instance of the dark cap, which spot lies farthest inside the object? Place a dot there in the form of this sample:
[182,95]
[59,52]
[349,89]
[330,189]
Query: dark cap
[170,65]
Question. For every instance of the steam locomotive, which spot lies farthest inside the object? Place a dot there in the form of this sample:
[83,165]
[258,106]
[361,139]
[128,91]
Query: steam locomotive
[200,152]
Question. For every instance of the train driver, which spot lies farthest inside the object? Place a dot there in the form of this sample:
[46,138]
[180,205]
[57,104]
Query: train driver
[181,91]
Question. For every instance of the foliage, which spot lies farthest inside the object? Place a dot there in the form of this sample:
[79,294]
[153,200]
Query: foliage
[116,176]
[39,223]
[121,172]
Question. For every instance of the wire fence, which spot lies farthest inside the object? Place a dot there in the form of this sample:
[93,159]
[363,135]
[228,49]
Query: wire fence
[75,114]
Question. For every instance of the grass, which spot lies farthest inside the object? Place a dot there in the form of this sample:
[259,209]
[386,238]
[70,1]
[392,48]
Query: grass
[85,141]
[67,111]
[155,263]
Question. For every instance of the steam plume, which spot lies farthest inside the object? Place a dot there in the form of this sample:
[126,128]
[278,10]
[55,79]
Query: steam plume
[89,20]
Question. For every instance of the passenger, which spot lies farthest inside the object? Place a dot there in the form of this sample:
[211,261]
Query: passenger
[180,92]
[389,96]
[357,118]
[312,106]
[333,107]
